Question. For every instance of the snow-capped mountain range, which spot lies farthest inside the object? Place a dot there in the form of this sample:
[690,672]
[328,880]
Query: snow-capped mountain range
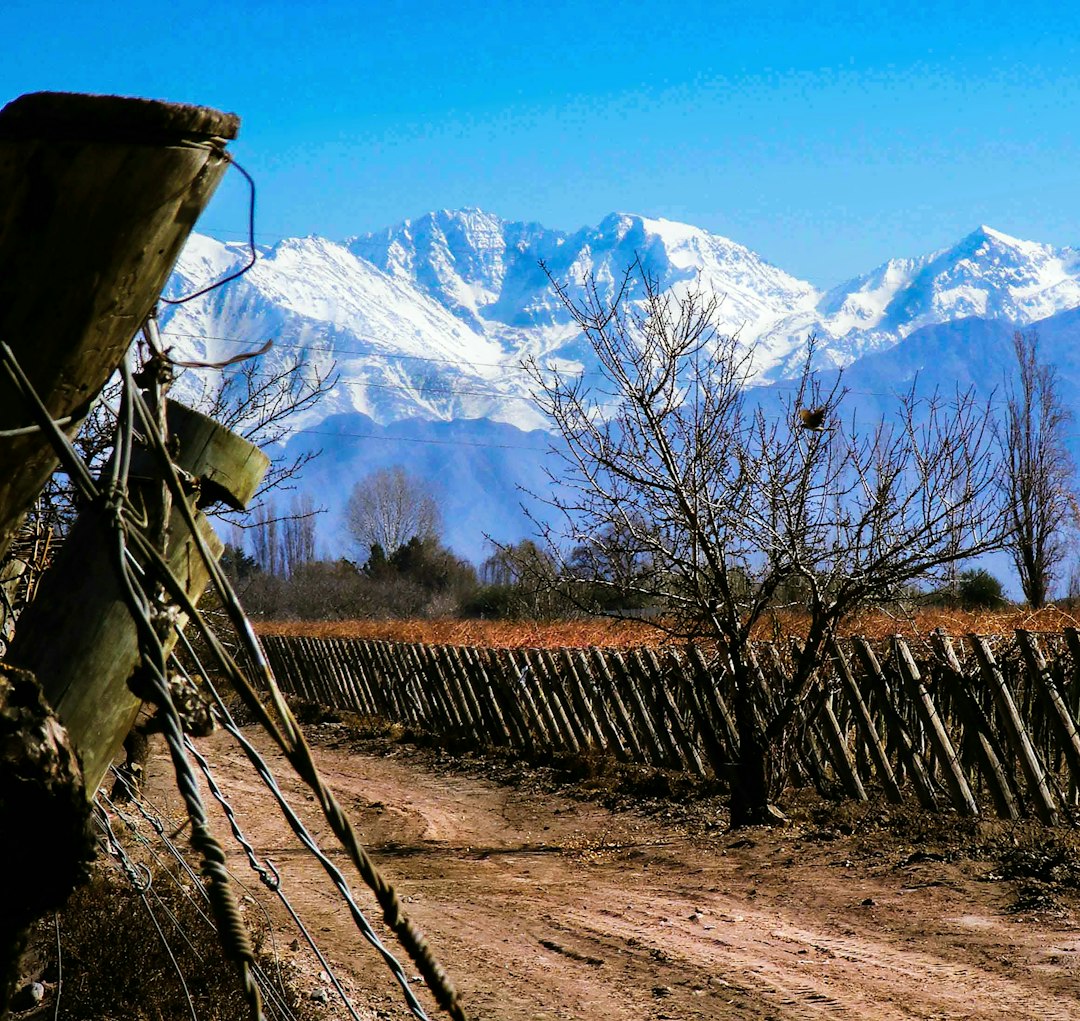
[428,321]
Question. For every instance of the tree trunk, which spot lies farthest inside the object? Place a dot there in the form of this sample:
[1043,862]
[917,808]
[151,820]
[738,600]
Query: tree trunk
[751,776]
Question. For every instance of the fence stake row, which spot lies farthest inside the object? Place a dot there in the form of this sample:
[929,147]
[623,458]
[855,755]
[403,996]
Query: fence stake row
[954,729]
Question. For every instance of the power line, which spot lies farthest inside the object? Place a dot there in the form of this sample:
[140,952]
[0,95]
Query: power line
[389,355]
[354,351]
[420,439]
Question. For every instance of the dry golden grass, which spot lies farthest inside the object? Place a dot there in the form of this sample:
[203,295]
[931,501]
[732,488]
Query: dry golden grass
[609,633]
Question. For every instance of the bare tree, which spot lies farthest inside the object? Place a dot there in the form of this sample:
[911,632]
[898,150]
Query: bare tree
[731,503]
[1039,475]
[282,542]
[388,508]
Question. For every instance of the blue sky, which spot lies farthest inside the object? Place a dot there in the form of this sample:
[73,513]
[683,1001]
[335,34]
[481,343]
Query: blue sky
[826,137]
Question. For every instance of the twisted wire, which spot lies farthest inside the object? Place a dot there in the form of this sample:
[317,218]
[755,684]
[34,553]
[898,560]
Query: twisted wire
[235,942]
[234,936]
[288,735]
[339,881]
[141,888]
[159,828]
[271,879]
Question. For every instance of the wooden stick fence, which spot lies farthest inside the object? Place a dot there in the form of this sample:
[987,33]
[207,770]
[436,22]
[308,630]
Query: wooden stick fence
[981,725]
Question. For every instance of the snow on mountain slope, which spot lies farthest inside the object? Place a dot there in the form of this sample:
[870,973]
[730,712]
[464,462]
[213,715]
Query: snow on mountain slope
[427,323]
[488,270]
[399,353]
[987,274]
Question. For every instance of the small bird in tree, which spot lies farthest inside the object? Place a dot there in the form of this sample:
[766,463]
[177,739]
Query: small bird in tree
[812,420]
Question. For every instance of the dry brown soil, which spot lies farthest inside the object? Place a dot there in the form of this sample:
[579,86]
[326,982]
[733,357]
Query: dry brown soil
[545,905]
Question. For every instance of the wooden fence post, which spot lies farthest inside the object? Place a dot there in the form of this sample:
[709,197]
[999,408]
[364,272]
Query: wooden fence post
[97,196]
[681,736]
[521,673]
[715,704]
[1034,772]
[654,752]
[980,732]
[865,723]
[955,779]
[78,636]
[570,734]
[901,735]
[1060,716]
[647,680]
[609,693]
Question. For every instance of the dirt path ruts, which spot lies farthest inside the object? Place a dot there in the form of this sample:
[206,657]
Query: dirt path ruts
[543,907]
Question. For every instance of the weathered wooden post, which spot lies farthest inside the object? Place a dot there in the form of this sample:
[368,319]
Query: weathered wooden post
[97,196]
[78,636]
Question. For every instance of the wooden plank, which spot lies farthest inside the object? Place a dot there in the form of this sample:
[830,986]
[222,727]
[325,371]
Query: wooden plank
[682,674]
[356,661]
[508,707]
[271,646]
[579,699]
[78,636]
[499,732]
[473,716]
[408,702]
[430,709]
[1032,767]
[714,702]
[808,753]
[627,685]
[445,714]
[374,674]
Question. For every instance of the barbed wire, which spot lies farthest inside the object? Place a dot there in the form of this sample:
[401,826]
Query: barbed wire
[154,596]
[275,996]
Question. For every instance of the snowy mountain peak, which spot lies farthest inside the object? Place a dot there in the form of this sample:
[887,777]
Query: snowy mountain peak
[432,316]
[987,273]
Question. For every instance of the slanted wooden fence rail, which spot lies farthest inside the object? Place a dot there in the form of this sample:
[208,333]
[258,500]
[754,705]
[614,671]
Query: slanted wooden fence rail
[979,724]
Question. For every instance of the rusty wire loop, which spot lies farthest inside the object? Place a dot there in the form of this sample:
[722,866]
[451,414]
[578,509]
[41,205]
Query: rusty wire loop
[252,252]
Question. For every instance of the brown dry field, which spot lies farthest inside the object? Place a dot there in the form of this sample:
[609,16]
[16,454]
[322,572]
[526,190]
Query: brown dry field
[612,633]
[619,897]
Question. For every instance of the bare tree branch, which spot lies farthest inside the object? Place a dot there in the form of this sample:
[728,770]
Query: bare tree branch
[716,504]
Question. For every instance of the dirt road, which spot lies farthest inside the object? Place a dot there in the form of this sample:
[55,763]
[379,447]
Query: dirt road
[545,907]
